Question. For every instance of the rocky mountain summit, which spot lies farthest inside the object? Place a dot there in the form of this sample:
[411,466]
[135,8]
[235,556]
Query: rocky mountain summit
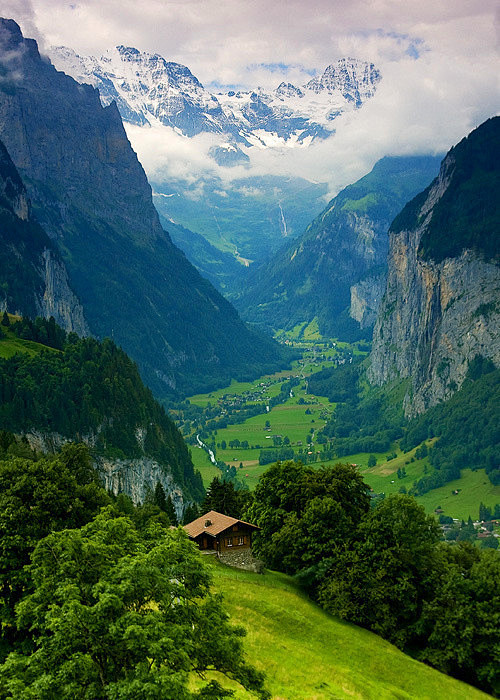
[441,306]
[148,89]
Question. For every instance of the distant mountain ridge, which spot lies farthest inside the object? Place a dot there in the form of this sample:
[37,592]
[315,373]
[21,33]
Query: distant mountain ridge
[91,195]
[151,90]
[335,271]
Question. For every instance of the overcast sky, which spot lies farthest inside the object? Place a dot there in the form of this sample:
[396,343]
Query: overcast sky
[439,60]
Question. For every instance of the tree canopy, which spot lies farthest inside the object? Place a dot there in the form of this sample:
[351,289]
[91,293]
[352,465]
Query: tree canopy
[118,614]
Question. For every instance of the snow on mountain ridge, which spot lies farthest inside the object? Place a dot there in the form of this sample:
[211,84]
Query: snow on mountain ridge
[149,89]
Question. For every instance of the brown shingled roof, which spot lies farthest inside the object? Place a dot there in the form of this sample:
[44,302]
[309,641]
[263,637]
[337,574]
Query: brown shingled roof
[218,523]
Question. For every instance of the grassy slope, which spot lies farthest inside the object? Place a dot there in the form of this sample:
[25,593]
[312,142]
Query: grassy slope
[11,345]
[309,655]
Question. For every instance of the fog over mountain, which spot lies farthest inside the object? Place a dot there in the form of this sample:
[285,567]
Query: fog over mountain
[437,61]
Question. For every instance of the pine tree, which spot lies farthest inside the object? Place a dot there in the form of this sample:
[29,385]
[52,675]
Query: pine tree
[170,511]
[5,319]
[191,513]
[160,498]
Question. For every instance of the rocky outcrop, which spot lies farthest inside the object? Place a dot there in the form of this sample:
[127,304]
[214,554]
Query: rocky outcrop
[135,477]
[33,276]
[439,312]
[366,297]
[138,478]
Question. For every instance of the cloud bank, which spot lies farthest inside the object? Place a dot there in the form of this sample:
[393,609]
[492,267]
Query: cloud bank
[439,62]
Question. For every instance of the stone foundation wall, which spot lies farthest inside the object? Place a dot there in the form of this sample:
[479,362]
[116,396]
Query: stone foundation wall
[242,559]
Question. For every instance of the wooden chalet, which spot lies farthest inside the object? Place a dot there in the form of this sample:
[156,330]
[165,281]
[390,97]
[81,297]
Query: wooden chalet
[221,533]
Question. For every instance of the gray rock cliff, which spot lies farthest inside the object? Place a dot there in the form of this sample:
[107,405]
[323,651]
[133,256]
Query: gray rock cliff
[440,311]
[33,276]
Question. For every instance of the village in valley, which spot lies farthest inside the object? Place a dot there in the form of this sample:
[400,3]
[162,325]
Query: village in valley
[235,433]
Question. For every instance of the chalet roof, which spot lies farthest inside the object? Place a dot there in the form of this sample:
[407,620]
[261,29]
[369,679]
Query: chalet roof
[218,523]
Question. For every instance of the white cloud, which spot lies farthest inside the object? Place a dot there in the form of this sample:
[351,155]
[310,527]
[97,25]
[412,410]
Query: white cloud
[423,104]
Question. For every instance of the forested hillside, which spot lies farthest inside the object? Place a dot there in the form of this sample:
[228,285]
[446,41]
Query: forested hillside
[87,390]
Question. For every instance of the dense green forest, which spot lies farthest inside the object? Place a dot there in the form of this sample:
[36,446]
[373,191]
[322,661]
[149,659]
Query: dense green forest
[363,420]
[466,206]
[84,388]
[467,427]
[368,419]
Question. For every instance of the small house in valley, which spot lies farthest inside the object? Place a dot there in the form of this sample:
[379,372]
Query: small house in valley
[221,533]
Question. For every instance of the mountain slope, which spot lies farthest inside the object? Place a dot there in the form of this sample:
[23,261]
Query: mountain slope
[91,195]
[60,388]
[441,304]
[337,266]
[219,268]
[318,656]
[33,277]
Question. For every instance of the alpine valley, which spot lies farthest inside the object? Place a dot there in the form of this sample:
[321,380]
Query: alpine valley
[233,350]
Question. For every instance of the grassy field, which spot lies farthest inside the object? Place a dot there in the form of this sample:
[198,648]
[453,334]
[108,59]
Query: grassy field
[289,419]
[473,488]
[296,420]
[308,655]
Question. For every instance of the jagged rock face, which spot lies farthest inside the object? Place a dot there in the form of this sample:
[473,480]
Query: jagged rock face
[58,300]
[91,195]
[135,477]
[60,137]
[319,274]
[355,81]
[34,278]
[148,89]
[437,315]
[138,479]
[366,297]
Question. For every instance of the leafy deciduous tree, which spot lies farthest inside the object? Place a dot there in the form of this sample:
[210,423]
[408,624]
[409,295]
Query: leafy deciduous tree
[116,615]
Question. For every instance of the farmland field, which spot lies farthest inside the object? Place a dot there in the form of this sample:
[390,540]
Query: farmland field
[301,417]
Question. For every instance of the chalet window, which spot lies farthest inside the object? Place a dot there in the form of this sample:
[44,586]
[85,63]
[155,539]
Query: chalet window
[241,540]
[229,541]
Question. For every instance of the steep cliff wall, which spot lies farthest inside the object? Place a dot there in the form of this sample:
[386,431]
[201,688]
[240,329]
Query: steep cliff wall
[33,277]
[135,477]
[336,269]
[442,300]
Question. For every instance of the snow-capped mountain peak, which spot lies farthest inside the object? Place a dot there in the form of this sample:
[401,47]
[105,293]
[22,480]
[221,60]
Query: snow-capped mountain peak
[148,89]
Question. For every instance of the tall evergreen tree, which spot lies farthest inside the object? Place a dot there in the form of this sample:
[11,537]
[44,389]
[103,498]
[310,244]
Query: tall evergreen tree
[170,511]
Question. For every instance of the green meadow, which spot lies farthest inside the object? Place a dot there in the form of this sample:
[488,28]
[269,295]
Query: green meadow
[11,345]
[307,654]
[296,421]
